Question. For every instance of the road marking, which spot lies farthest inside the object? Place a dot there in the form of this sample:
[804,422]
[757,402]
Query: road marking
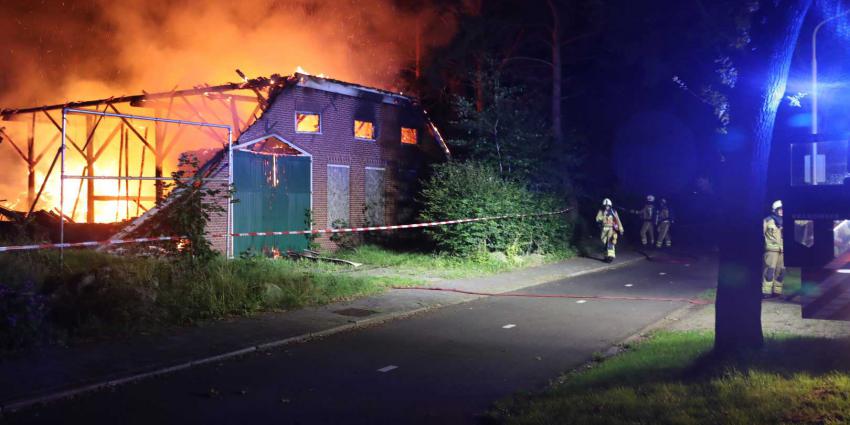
[508,326]
[687,265]
[581,301]
[387,368]
[661,273]
[629,285]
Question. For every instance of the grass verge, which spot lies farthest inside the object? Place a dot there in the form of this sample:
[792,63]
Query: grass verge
[95,295]
[671,378]
[440,266]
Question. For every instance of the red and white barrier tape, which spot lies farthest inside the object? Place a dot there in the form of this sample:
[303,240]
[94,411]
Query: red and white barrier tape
[393,227]
[86,244]
[283,233]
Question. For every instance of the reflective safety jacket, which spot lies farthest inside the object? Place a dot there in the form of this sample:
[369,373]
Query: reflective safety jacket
[772,227]
[647,213]
[609,219]
[664,214]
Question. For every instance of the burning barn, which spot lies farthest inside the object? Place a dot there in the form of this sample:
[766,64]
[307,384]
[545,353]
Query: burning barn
[324,153]
[308,152]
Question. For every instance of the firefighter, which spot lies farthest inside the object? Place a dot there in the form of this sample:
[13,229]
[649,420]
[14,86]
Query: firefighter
[611,228]
[647,214]
[663,219]
[774,261]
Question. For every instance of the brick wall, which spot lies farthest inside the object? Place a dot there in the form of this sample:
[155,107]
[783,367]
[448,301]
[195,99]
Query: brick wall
[336,144]
[217,225]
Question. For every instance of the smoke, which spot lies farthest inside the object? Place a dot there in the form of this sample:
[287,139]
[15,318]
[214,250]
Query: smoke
[71,50]
[58,51]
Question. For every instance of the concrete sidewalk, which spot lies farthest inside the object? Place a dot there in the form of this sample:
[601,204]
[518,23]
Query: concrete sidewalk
[56,373]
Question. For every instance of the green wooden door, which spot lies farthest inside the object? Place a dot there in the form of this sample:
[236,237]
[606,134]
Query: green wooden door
[273,194]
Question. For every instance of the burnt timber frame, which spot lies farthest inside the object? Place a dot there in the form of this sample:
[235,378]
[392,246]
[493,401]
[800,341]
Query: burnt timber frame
[88,113]
[198,103]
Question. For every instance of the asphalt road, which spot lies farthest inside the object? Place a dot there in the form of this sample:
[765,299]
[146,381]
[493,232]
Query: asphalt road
[446,366]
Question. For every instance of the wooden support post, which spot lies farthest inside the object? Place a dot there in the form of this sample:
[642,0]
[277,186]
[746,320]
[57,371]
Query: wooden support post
[158,159]
[31,161]
[120,167]
[79,193]
[141,173]
[90,122]
[127,173]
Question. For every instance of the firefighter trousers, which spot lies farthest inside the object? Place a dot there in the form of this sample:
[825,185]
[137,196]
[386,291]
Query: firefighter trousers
[664,235]
[647,233]
[774,272]
[609,238]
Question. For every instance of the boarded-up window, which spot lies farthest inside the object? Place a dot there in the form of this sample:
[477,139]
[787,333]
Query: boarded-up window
[364,130]
[307,122]
[408,136]
[338,194]
[374,208]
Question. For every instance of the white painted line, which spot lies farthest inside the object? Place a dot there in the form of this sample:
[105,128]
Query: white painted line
[629,285]
[387,368]
[508,326]
[687,265]
[661,273]
[112,383]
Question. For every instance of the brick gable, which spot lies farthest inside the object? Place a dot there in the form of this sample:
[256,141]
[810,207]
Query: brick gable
[336,144]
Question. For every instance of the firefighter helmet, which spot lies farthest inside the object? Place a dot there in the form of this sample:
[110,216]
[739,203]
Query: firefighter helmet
[606,202]
[650,198]
[776,205]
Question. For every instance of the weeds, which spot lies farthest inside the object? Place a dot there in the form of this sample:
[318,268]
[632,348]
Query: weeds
[99,295]
[447,266]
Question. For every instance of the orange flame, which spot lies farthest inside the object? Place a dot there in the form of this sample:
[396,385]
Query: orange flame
[99,49]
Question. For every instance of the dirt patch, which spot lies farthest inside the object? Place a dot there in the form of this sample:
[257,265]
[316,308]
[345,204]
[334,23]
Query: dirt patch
[777,317]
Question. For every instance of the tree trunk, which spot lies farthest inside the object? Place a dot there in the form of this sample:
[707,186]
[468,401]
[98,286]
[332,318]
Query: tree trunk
[753,106]
[418,71]
[479,85]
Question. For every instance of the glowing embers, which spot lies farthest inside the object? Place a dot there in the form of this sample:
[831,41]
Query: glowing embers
[272,149]
[364,130]
[408,136]
[306,122]
[270,170]
[273,146]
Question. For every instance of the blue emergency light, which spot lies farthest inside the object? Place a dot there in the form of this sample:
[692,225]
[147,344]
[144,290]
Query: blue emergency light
[816,232]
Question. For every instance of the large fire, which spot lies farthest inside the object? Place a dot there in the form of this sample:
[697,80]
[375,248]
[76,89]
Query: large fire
[63,51]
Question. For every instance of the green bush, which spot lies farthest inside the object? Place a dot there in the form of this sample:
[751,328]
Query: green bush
[468,190]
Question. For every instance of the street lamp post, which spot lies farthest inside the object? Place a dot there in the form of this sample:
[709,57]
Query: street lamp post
[815,93]
[815,71]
